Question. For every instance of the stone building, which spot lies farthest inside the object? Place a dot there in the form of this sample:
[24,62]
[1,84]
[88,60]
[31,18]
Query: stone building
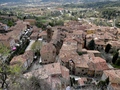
[48,53]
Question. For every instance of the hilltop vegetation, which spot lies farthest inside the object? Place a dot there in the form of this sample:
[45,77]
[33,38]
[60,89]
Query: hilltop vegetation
[95,4]
[67,1]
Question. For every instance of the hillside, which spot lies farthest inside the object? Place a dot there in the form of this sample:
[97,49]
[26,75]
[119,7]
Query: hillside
[68,1]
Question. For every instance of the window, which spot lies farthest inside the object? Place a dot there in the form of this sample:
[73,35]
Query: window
[45,60]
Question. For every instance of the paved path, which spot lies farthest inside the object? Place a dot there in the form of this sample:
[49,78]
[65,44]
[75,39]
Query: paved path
[29,46]
[110,66]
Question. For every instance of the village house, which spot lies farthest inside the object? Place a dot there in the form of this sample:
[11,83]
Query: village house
[88,65]
[7,41]
[81,67]
[17,31]
[108,36]
[57,39]
[114,44]
[35,33]
[24,61]
[78,34]
[36,29]
[80,44]
[48,53]
[96,66]
[99,45]
[114,77]
[69,44]
[3,28]
[72,44]
[82,81]
[43,36]
[95,52]
[90,31]
[54,74]
[34,36]
[65,56]
[84,65]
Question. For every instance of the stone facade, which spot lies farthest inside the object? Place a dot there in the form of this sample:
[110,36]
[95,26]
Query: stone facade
[48,53]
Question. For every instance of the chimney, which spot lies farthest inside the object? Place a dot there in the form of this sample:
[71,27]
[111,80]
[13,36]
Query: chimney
[79,46]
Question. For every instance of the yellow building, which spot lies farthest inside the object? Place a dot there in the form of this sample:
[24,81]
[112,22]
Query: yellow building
[90,31]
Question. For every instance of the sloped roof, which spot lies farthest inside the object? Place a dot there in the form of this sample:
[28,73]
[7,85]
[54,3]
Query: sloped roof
[98,64]
[53,69]
[114,75]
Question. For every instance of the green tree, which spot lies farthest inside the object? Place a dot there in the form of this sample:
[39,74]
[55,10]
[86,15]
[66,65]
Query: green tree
[91,45]
[79,53]
[102,85]
[36,46]
[10,23]
[73,80]
[107,48]
[117,22]
[4,72]
[107,80]
[114,59]
[118,62]
[3,49]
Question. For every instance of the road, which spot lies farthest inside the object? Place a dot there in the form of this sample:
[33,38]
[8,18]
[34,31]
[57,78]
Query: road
[29,46]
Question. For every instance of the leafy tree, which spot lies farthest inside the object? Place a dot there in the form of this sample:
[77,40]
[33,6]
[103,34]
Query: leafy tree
[91,45]
[117,22]
[73,80]
[4,72]
[107,80]
[10,23]
[114,59]
[39,24]
[118,62]
[3,49]
[103,84]
[79,53]
[107,48]
[36,46]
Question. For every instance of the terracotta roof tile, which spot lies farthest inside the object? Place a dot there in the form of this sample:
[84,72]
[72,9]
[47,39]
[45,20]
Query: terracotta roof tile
[48,48]
[65,72]
[114,75]
[98,64]
[53,69]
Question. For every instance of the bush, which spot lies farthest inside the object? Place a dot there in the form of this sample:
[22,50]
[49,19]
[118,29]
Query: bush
[91,45]
[115,57]
[79,53]
[118,62]
[107,48]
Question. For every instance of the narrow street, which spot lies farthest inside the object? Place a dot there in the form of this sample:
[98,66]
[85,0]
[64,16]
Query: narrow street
[29,46]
